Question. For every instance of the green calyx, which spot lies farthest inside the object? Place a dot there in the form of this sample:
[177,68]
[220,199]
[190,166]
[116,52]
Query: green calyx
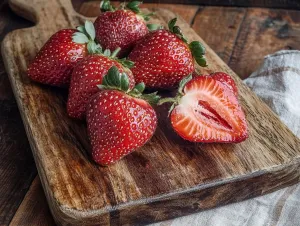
[113,55]
[175,100]
[133,6]
[105,6]
[114,80]
[197,48]
[86,35]
[198,51]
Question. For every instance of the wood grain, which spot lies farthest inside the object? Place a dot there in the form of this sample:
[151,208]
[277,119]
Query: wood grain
[283,4]
[219,28]
[187,12]
[263,32]
[166,178]
[17,168]
[33,210]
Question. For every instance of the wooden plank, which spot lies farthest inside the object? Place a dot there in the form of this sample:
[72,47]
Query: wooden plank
[34,209]
[283,4]
[166,178]
[219,28]
[187,12]
[17,168]
[264,32]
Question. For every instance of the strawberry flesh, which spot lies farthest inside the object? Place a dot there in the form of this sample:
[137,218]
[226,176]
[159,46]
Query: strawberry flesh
[209,112]
[227,80]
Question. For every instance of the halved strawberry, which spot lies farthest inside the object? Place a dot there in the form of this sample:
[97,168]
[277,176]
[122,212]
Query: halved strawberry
[206,110]
[227,80]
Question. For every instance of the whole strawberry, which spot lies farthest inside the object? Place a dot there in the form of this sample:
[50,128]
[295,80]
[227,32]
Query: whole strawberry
[227,80]
[87,74]
[162,58]
[55,61]
[206,110]
[120,27]
[119,119]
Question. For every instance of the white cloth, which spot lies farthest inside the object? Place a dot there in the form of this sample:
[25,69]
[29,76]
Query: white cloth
[277,82]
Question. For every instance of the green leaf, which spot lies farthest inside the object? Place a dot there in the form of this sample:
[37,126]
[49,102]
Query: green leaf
[154,27]
[90,29]
[151,98]
[201,61]
[127,63]
[134,6]
[140,87]
[172,23]
[81,29]
[106,6]
[80,38]
[107,53]
[124,82]
[183,82]
[197,48]
[115,52]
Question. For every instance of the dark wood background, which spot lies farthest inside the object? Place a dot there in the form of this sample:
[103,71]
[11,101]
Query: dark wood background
[241,36]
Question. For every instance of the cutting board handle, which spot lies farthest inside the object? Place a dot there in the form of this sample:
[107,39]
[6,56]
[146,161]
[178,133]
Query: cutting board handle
[51,14]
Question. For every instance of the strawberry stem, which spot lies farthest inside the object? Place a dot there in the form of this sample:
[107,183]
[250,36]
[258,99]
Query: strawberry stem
[115,52]
[175,100]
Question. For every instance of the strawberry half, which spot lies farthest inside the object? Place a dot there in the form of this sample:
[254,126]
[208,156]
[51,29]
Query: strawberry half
[206,110]
[121,27]
[119,119]
[55,61]
[87,75]
[227,80]
[162,58]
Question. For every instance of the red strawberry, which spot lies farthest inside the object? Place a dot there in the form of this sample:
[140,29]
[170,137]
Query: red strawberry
[162,58]
[120,28]
[206,110]
[119,120]
[54,63]
[86,76]
[227,80]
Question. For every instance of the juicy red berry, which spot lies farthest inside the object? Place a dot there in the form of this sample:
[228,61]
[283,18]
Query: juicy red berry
[161,60]
[118,124]
[121,28]
[209,112]
[227,80]
[85,78]
[54,63]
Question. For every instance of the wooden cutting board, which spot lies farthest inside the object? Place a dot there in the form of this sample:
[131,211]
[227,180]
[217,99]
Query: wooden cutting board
[168,177]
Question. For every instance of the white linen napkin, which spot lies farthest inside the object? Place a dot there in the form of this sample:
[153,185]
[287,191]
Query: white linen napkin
[277,82]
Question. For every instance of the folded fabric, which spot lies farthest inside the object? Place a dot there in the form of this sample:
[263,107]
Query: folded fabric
[277,82]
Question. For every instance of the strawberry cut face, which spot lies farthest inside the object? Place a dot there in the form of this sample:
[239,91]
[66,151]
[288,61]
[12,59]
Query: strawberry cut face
[209,112]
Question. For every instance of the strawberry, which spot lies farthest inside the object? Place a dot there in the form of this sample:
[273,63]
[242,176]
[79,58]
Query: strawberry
[119,119]
[54,63]
[87,74]
[162,58]
[227,80]
[206,110]
[120,27]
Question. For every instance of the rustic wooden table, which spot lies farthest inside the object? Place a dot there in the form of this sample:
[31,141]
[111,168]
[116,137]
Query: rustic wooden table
[240,36]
